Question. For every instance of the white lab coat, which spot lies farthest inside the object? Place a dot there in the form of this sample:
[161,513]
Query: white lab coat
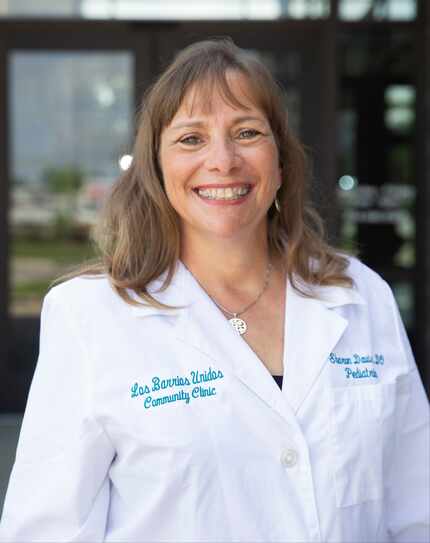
[107,454]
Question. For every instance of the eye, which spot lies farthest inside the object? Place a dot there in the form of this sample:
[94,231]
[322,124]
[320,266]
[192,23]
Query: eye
[248,133]
[190,140]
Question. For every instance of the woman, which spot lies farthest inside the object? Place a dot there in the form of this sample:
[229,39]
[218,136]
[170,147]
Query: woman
[154,414]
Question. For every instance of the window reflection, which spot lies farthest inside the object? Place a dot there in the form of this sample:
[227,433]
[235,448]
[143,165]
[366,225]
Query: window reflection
[68,135]
[400,10]
[400,108]
[376,167]
[301,9]
[168,9]
[400,163]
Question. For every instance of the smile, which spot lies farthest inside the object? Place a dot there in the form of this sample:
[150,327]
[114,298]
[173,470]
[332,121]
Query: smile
[227,193]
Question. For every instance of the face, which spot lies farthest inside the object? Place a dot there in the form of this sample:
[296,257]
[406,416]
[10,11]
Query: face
[220,165]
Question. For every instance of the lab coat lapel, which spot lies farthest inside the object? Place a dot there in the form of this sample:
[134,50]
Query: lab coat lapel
[313,328]
[206,329]
[202,326]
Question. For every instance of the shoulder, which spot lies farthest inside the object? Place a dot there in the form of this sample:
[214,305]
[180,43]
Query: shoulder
[370,295]
[80,288]
[368,287]
[366,281]
[84,295]
[380,306]
[381,311]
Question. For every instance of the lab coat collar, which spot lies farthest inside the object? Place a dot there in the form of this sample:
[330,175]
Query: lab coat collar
[312,329]
[176,296]
[335,296]
[173,296]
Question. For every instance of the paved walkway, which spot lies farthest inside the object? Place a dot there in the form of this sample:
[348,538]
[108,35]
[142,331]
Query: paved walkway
[9,431]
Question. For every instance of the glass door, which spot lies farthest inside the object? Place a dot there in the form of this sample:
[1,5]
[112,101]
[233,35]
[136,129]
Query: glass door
[69,139]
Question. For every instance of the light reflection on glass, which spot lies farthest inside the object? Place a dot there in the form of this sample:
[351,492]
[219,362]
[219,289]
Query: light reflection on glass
[67,136]
[400,108]
[395,10]
[347,182]
[125,162]
[169,9]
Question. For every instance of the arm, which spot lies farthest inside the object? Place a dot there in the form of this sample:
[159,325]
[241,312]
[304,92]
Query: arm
[408,505]
[59,485]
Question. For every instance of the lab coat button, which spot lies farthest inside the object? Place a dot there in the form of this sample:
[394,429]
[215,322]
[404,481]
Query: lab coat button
[289,457]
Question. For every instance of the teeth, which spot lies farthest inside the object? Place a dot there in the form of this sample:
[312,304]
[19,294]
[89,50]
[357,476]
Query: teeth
[229,193]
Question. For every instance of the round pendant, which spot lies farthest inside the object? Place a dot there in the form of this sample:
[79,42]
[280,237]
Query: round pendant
[239,325]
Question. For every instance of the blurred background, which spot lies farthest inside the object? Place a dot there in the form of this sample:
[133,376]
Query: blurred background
[72,73]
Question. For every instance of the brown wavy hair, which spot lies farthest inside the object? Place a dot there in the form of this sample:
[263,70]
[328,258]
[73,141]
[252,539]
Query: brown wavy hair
[138,232]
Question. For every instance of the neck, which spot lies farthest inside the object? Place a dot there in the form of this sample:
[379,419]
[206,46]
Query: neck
[227,265]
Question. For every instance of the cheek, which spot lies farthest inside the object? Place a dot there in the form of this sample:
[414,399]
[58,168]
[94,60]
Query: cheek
[172,192]
[176,180]
[170,174]
[168,183]
[177,171]
[268,164]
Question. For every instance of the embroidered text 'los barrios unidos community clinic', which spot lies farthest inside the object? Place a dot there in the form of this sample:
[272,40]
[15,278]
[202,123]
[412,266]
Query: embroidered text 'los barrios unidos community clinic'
[191,387]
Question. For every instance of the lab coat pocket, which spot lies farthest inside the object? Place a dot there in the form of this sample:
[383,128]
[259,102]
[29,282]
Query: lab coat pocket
[362,427]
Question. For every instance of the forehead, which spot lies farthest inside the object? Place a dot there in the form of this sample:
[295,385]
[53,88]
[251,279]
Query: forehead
[234,90]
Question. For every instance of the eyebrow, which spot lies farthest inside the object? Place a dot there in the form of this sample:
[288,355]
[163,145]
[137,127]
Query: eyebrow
[199,124]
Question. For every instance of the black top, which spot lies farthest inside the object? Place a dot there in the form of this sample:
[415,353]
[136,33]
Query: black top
[278,379]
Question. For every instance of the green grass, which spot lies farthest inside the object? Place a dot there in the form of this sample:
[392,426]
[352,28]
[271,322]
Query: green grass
[31,289]
[63,252]
[67,254]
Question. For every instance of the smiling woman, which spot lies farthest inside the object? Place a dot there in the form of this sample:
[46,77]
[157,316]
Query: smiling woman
[218,110]
[215,278]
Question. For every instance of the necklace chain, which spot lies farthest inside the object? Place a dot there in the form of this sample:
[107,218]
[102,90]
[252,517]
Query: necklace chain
[237,323]
[260,294]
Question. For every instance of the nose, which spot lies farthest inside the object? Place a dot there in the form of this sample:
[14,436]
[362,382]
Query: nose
[222,156]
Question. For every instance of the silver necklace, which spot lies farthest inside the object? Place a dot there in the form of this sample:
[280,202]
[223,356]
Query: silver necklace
[237,323]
